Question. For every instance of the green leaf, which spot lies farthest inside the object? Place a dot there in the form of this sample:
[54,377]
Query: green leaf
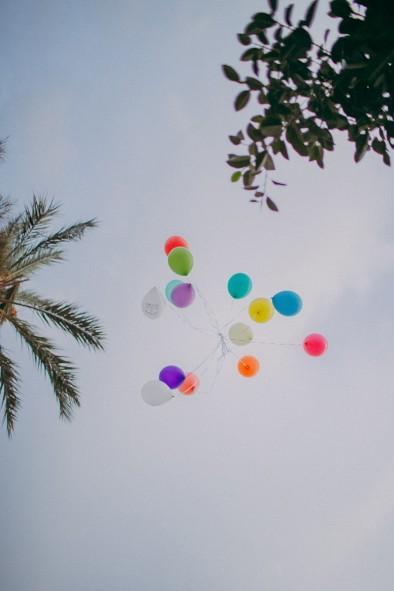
[272,206]
[379,147]
[230,73]
[271,130]
[340,8]
[294,136]
[248,179]
[268,162]
[260,158]
[299,42]
[253,83]
[236,176]
[242,100]
[288,12]
[263,20]
[234,139]
[386,159]
[253,133]
[244,39]
[310,13]
[238,161]
[283,150]
[250,54]
[361,147]
[273,5]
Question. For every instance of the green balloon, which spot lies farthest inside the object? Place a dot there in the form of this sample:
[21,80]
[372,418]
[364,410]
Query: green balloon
[180,260]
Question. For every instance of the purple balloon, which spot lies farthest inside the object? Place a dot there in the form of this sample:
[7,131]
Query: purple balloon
[172,375]
[183,295]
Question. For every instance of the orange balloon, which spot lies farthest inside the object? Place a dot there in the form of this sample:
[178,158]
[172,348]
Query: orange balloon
[174,242]
[189,384]
[248,366]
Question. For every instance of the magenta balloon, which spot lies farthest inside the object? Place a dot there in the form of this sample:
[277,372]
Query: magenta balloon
[172,375]
[183,295]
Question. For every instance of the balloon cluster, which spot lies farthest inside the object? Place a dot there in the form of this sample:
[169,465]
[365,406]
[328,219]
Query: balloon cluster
[286,303]
[182,294]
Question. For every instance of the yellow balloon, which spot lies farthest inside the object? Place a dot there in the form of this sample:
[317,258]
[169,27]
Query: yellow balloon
[261,310]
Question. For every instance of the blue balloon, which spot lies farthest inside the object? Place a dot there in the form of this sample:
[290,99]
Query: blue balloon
[287,303]
[170,288]
[239,285]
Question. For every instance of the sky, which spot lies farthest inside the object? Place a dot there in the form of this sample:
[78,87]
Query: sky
[119,111]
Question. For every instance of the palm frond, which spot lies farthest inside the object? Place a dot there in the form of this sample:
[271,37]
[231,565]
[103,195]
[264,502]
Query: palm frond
[59,370]
[32,223]
[83,327]
[2,148]
[7,296]
[5,204]
[49,244]
[9,388]
[33,263]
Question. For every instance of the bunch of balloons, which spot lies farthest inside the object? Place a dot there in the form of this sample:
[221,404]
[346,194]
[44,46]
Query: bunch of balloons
[182,294]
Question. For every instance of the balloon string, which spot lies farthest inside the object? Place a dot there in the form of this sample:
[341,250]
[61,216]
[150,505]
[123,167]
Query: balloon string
[186,321]
[234,317]
[276,343]
[210,354]
[211,316]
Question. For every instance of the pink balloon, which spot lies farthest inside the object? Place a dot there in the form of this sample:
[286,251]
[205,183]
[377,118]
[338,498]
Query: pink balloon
[315,344]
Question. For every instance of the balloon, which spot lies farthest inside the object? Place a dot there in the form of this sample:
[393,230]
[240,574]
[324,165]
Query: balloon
[153,304]
[190,385]
[170,287]
[287,303]
[172,375]
[180,260]
[239,285]
[315,344]
[261,310]
[156,393]
[183,295]
[240,334]
[248,366]
[174,241]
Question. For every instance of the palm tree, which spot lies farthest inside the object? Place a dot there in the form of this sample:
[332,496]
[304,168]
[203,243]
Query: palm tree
[27,245]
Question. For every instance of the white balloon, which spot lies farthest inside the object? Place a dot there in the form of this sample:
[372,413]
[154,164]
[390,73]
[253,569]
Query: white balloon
[156,393]
[153,304]
[240,334]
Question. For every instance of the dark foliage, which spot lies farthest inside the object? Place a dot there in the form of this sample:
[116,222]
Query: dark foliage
[307,89]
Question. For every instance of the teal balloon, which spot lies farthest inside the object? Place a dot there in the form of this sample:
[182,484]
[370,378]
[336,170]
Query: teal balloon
[287,303]
[170,288]
[239,285]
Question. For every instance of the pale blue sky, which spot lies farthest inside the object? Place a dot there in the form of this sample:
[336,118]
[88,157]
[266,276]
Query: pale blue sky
[286,482]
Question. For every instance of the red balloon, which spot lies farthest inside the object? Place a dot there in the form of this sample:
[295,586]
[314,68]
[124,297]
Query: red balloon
[315,344]
[174,242]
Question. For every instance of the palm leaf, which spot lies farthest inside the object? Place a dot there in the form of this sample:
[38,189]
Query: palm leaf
[58,369]
[83,327]
[48,245]
[29,264]
[5,204]
[2,149]
[9,382]
[35,219]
